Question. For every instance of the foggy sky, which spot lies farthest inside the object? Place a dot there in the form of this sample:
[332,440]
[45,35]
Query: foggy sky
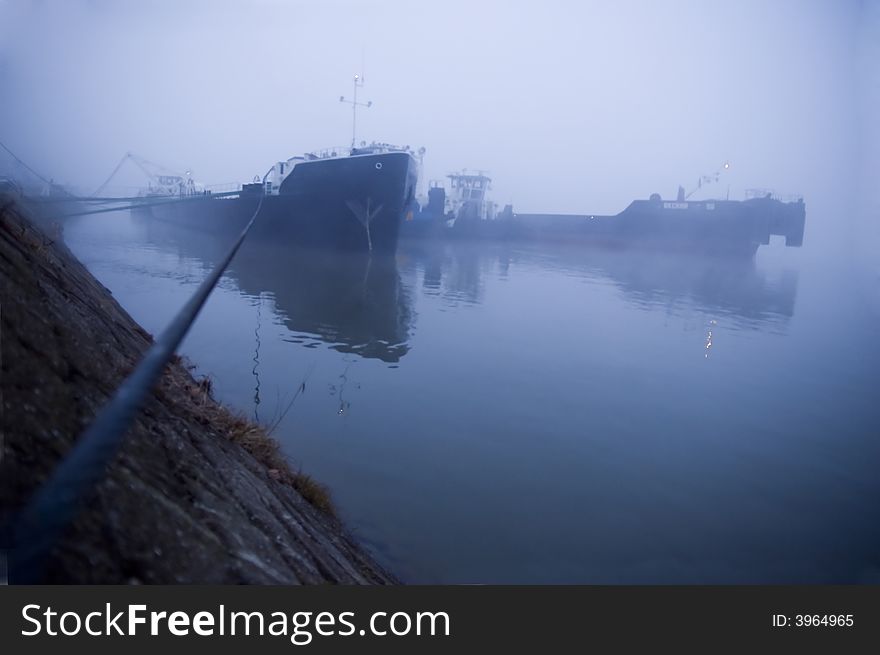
[570,106]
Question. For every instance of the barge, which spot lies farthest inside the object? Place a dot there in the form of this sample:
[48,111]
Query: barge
[735,227]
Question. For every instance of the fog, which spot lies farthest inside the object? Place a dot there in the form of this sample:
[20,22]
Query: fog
[663,397]
[571,107]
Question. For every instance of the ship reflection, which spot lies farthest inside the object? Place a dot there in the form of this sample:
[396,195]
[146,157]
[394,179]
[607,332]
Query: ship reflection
[748,296]
[735,288]
[352,301]
[358,304]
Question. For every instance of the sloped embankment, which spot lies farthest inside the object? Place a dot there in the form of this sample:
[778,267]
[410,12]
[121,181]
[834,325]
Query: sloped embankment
[196,494]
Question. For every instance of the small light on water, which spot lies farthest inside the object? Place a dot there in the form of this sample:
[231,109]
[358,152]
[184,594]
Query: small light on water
[709,337]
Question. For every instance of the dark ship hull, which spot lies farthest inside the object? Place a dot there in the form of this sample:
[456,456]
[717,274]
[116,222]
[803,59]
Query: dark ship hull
[711,227]
[354,203]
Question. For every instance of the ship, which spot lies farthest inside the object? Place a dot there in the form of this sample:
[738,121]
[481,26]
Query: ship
[347,198]
[344,198]
[728,227]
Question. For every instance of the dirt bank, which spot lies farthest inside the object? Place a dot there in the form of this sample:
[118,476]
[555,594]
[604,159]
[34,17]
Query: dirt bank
[196,495]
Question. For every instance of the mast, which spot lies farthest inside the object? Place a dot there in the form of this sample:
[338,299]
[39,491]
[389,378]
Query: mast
[358,82]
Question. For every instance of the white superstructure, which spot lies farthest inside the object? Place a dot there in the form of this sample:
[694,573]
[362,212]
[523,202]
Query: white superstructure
[282,169]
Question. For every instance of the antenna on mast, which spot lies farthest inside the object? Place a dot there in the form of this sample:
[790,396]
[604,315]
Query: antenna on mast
[709,179]
[358,83]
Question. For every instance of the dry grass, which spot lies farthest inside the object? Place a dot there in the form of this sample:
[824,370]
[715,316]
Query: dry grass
[254,438]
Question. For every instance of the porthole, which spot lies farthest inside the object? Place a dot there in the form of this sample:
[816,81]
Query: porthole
[378,166]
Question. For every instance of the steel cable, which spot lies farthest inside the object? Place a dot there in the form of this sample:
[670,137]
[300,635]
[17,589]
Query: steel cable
[42,522]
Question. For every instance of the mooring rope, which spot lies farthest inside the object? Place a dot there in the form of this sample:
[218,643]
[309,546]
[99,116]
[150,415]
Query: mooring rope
[54,506]
[119,207]
[48,200]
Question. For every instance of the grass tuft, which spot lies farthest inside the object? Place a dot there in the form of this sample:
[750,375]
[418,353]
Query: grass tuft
[254,438]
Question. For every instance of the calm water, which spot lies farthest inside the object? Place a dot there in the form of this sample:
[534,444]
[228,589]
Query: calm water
[546,414]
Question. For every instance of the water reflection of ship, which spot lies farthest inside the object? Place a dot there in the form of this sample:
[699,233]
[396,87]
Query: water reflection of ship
[353,301]
[738,288]
[455,271]
[735,288]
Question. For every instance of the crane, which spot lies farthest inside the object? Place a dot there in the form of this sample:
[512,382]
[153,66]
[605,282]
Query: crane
[163,181]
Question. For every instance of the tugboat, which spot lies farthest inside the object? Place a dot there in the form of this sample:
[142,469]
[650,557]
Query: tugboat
[457,212]
[351,198]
